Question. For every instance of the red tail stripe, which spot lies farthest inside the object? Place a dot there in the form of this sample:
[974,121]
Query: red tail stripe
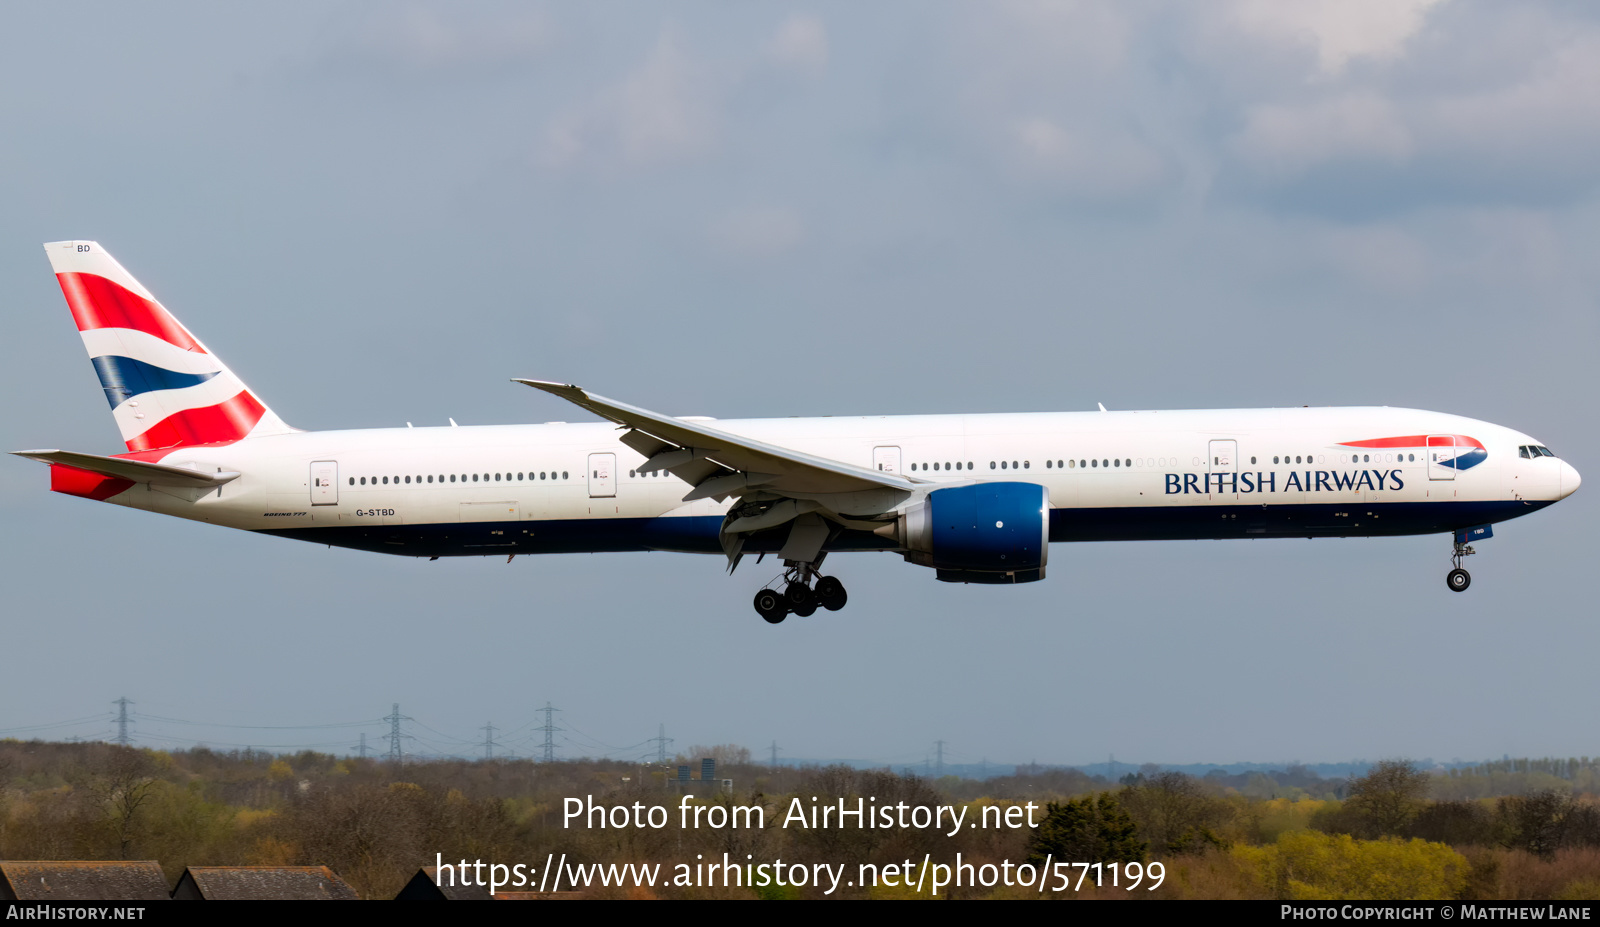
[99,303]
[224,422]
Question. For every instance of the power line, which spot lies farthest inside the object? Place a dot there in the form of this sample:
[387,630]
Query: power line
[254,727]
[96,719]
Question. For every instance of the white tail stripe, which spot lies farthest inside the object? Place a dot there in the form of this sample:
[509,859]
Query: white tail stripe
[126,342]
[158,404]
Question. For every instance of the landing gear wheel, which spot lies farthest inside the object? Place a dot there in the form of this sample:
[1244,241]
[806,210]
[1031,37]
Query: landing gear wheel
[1458,580]
[771,606]
[799,596]
[831,594]
[806,611]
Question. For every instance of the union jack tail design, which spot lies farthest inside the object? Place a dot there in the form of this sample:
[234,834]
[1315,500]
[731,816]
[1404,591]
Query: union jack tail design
[165,389]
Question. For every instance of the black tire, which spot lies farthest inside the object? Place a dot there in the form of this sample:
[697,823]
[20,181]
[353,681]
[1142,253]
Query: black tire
[831,594]
[799,595]
[771,606]
[806,611]
[1458,580]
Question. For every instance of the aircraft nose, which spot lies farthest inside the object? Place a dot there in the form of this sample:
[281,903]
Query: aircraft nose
[1569,479]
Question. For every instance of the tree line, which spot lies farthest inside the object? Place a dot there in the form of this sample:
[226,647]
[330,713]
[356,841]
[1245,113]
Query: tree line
[1283,834]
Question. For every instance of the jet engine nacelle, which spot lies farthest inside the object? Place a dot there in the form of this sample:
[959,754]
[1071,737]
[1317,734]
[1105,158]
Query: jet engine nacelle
[983,533]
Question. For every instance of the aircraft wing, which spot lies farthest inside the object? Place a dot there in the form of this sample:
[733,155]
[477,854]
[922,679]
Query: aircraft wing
[136,470]
[719,464]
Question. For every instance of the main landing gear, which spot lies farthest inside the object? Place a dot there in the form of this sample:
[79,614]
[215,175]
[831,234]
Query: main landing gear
[804,591]
[1458,579]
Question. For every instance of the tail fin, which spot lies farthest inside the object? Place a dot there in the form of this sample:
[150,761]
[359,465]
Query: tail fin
[165,388]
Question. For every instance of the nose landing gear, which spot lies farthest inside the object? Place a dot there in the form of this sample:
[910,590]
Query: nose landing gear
[804,591]
[1458,579]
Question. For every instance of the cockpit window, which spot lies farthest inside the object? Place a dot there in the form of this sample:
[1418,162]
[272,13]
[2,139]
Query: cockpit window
[1545,451]
[1523,452]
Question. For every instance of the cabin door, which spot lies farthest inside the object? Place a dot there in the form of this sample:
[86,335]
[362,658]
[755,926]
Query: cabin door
[1222,462]
[1441,457]
[325,482]
[602,476]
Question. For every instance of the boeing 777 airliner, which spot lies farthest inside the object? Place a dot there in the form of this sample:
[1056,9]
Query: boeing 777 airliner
[977,498]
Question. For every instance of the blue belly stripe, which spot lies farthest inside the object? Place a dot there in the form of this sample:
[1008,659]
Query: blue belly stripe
[698,534]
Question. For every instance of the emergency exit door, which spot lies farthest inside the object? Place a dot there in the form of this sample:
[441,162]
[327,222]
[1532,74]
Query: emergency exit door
[1223,465]
[325,482]
[1441,457]
[602,476]
[886,459]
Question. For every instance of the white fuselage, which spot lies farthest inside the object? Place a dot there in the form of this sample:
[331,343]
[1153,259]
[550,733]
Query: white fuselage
[1110,475]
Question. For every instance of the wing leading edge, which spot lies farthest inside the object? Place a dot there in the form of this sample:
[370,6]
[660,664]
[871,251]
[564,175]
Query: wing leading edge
[776,485]
[744,463]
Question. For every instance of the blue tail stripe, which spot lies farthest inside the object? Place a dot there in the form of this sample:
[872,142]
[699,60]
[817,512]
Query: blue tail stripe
[124,377]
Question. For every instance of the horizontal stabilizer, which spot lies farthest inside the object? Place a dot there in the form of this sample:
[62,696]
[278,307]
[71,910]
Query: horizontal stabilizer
[136,470]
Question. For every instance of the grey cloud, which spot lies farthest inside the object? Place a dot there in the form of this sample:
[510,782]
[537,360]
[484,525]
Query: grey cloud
[431,40]
[757,231]
[800,43]
[666,109]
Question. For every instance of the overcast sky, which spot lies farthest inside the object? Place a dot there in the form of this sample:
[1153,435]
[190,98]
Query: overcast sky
[379,213]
